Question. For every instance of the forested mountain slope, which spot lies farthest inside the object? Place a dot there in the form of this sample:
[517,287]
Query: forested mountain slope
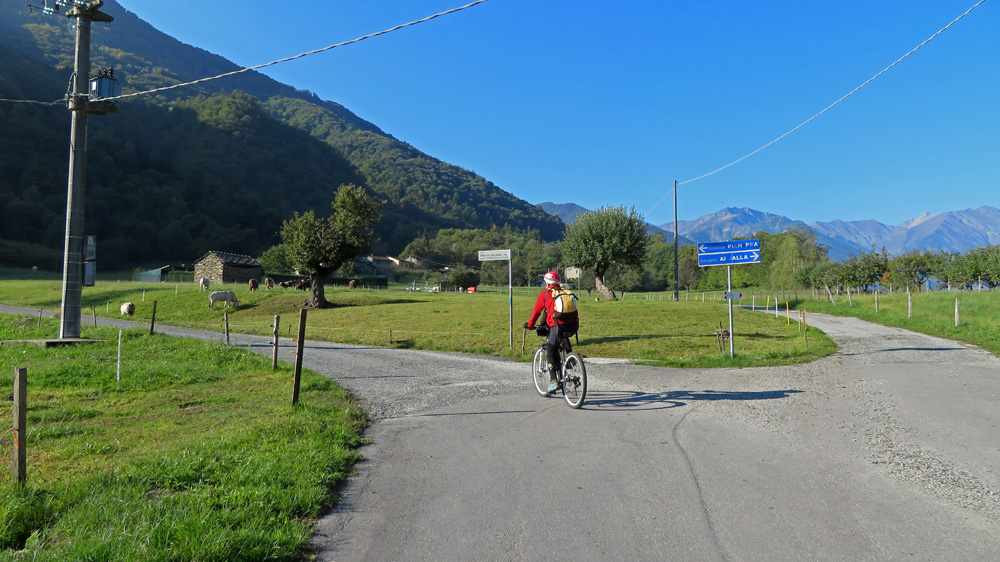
[217,165]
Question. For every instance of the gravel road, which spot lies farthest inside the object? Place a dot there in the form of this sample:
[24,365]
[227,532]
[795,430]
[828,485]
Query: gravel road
[885,450]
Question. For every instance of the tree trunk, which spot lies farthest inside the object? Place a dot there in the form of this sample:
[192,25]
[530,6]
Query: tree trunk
[318,297]
[604,289]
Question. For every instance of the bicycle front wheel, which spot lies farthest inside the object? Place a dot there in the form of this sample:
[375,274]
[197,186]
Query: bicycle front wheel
[540,371]
[574,380]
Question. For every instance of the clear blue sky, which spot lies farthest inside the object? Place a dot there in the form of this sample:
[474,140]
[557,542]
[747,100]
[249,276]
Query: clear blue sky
[607,103]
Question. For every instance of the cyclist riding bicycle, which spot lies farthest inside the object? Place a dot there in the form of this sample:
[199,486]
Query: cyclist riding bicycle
[566,325]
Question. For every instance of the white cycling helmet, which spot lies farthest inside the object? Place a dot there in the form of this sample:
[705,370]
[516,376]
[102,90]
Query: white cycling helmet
[551,278]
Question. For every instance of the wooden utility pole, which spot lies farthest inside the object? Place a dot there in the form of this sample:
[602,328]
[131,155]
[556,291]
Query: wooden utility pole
[677,272]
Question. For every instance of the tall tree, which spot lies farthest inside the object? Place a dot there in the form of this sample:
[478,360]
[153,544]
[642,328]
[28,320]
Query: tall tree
[605,237]
[914,268]
[866,270]
[321,246]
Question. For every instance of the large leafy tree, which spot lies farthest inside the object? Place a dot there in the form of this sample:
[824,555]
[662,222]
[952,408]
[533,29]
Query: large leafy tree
[321,245]
[605,237]
[866,270]
[914,268]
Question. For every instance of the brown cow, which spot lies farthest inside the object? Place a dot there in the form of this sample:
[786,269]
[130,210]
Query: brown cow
[253,285]
[303,285]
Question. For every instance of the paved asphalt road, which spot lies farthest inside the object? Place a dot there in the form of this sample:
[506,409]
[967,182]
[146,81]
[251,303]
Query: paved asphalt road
[886,450]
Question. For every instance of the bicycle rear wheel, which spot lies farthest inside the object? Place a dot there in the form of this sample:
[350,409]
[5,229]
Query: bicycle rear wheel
[540,371]
[574,380]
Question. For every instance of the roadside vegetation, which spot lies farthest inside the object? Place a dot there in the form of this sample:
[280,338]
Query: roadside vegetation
[195,454]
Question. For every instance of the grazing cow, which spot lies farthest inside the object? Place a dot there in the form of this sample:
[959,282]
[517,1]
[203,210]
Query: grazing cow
[303,285]
[268,283]
[203,283]
[287,284]
[253,285]
[128,309]
[352,284]
[222,296]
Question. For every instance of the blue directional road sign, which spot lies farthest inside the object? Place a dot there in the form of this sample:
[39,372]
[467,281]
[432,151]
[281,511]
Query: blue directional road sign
[733,252]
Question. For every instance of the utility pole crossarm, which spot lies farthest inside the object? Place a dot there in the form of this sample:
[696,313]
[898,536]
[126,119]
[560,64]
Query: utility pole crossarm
[90,11]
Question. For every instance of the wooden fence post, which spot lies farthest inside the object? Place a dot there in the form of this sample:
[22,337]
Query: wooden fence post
[957,315]
[152,321]
[805,329]
[274,355]
[20,421]
[225,317]
[909,303]
[118,370]
[299,346]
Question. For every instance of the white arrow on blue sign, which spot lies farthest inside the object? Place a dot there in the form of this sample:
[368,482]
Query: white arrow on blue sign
[733,252]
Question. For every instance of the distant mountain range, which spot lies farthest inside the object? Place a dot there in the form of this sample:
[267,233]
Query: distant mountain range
[953,231]
[567,212]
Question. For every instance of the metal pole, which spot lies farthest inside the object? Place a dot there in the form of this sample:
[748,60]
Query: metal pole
[676,250]
[510,291]
[729,281]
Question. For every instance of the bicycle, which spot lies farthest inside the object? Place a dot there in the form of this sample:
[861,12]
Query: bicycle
[572,373]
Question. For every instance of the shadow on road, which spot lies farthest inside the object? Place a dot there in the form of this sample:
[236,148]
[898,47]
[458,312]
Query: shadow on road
[866,352]
[626,400]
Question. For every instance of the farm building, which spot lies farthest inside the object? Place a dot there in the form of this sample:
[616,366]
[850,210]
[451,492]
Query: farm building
[158,275]
[224,267]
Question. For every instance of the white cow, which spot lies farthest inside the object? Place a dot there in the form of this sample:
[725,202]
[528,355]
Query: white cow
[128,309]
[222,296]
[203,283]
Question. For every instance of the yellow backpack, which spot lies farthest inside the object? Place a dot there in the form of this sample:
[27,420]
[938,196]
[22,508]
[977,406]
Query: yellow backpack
[565,306]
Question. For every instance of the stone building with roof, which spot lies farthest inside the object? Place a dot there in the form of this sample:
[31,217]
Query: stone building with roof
[225,267]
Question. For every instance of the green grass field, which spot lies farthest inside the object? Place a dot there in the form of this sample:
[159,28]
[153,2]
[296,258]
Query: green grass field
[660,332]
[195,454]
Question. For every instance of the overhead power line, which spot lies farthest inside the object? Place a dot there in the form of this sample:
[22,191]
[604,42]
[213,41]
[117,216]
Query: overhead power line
[272,63]
[36,102]
[324,49]
[827,108]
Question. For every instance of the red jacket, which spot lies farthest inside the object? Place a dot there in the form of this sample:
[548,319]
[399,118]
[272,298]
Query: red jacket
[547,303]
